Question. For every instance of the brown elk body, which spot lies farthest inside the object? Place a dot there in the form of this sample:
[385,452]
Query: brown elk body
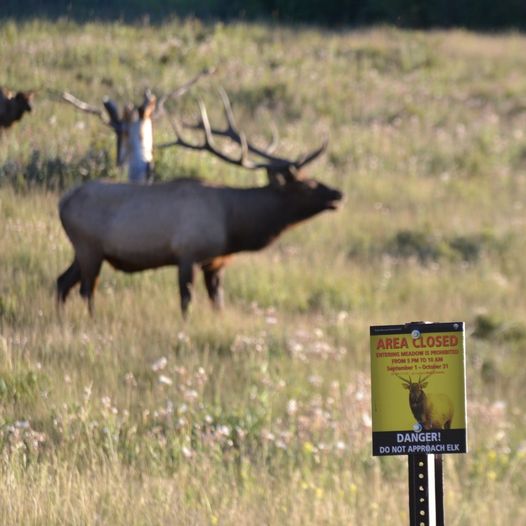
[432,410]
[184,222]
[13,107]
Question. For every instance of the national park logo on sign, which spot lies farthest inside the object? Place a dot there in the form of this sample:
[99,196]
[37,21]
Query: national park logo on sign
[418,388]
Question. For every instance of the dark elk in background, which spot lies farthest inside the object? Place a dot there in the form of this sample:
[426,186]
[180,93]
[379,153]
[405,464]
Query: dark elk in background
[13,107]
[133,127]
[187,222]
[432,410]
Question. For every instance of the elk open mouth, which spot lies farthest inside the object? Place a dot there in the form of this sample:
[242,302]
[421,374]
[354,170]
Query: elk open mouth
[336,202]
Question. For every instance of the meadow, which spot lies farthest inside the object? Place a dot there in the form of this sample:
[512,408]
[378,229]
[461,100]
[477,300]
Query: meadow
[261,414]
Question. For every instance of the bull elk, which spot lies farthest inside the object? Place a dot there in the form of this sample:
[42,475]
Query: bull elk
[432,410]
[133,127]
[187,222]
[13,106]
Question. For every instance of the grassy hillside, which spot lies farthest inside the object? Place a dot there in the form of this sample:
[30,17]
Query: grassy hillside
[261,415]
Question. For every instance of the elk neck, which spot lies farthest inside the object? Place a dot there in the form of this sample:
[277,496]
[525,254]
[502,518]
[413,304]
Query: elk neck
[255,217]
[416,402]
[136,148]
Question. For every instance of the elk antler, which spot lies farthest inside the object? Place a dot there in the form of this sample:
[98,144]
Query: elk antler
[421,381]
[111,108]
[114,121]
[408,382]
[209,145]
[181,90]
[109,105]
[232,133]
[272,163]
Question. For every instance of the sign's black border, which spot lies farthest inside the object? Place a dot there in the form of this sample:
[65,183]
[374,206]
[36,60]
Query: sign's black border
[422,326]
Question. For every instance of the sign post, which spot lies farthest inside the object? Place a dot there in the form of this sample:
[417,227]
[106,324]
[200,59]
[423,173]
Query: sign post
[419,405]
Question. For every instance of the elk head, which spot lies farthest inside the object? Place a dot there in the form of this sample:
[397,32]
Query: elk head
[135,139]
[24,100]
[133,127]
[13,107]
[285,175]
[416,389]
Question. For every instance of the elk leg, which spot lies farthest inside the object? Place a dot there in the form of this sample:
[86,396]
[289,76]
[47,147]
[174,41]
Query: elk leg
[89,274]
[186,279]
[66,281]
[213,285]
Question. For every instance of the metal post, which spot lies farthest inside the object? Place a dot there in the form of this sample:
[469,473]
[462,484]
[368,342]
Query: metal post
[426,490]
[418,490]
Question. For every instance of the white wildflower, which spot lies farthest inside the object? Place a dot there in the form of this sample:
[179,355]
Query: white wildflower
[292,407]
[165,380]
[223,431]
[159,364]
[187,452]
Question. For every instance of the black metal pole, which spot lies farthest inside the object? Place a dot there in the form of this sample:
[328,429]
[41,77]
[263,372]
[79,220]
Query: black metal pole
[418,490]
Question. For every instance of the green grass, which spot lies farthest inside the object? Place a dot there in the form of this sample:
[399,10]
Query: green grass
[261,415]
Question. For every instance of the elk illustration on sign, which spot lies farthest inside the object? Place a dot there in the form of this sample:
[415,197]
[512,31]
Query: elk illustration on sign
[187,222]
[431,410]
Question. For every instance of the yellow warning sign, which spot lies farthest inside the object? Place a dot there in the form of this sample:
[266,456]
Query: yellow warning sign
[418,388]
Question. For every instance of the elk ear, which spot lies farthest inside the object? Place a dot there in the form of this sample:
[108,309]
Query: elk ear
[405,386]
[295,172]
[424,385]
